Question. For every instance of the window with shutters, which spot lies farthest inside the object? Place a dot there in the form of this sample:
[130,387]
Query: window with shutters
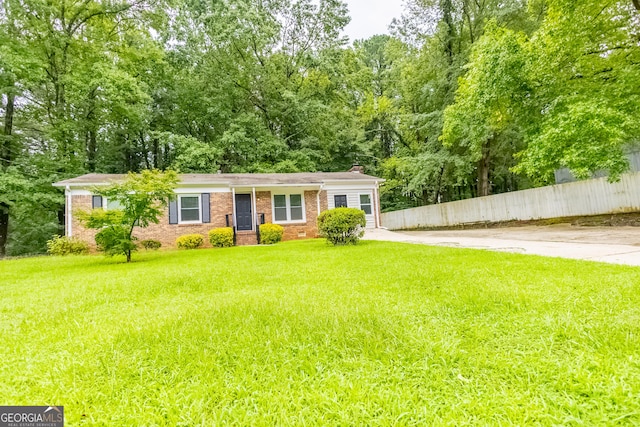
[105,203]
[189,208]
[288,208]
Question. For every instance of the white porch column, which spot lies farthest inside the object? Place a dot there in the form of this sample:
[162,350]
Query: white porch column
[255,208]
[233,200]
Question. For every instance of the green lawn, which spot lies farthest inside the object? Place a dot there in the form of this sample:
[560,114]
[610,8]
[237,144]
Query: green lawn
[302,333]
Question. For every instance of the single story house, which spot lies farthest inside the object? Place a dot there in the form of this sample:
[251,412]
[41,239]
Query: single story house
[241,201]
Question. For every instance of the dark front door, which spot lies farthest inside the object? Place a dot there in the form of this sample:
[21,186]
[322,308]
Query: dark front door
[243,212]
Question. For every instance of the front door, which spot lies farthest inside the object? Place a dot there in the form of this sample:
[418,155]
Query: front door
[243,212]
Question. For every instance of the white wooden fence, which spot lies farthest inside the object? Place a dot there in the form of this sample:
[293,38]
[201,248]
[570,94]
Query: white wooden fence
[591,197]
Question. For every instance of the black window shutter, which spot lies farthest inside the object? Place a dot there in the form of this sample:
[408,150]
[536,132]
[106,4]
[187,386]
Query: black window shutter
[173,211]
[96,202]
[206,211]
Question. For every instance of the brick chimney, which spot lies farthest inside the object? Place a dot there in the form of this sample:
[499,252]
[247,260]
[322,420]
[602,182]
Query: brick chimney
[356,168]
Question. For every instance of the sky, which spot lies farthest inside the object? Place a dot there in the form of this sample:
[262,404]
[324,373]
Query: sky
[370,17]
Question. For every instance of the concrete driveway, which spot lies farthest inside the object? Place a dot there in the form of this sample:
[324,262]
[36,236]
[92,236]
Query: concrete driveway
[618,245]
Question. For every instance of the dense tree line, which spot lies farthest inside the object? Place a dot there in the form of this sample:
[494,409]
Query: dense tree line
[465,98]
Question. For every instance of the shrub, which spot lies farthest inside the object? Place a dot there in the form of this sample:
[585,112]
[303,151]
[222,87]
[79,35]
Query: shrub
[342,226]
[190,241]
[221,237]
[116,240]
[60,245]
[151,244]
[270,233]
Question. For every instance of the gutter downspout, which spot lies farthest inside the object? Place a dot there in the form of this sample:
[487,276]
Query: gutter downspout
[376,205]
[318,200]
[68,218]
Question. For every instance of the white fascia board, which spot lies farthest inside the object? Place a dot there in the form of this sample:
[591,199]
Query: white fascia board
[288,188]
[79,192]
[82,185]
[353,181]
[349,187]
[189,189]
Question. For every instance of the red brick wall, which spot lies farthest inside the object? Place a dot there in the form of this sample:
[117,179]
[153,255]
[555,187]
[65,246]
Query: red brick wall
[82,203]
[307,230]
[221,205]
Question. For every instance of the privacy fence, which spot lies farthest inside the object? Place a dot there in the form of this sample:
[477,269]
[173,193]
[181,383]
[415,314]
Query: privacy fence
[591,197]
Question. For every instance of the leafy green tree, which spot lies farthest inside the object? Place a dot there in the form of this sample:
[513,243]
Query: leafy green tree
[441,35]
[488,97]
[585,63]
[141,197]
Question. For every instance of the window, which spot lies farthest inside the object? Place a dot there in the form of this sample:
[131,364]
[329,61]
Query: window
[280,207]
[365,203]
[295,203]
[113,205]
[189,208]
[288,207]
[340,200]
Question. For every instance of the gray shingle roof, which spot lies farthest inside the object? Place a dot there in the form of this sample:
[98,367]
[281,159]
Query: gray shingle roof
[233,179]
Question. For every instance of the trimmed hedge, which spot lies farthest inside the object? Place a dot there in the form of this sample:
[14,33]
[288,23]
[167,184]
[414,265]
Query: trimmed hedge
[151,244]
[221,237]
[190,241]
[342,226]
[61,245]
[270,233]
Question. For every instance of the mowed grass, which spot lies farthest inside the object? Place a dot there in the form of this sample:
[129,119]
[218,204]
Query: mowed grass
[301,333]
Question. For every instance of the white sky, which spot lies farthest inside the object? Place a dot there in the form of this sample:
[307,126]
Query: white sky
[370,17]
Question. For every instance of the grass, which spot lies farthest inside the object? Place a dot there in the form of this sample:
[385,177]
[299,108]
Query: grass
[300,333]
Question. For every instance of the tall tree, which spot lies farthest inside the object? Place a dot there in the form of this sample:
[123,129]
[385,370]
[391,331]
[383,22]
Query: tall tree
[482,118]
[585,97]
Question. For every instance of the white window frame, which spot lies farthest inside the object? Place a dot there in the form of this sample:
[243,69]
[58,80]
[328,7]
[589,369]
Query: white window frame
[370,202]
[287,198]
[105,205]
[199,220]
[346,199]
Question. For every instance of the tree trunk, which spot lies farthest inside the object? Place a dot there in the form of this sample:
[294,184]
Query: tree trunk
[484,189]
[6,149]
[636,4]
[61,222]
[438,190]
[92,138]
[6,158]
[446,7]
[4,228]
[92,145]
[156,153]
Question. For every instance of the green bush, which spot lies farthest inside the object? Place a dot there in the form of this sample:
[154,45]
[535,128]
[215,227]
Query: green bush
[270,233]
[221,237]
[190,241]
[342,226]
[60,245]
[116,240]
[151,244]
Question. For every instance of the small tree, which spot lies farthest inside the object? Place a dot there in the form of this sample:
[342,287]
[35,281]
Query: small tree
[342,226]
[142,198]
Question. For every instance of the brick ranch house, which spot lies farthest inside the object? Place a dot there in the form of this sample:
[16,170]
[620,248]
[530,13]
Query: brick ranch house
[242,201]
